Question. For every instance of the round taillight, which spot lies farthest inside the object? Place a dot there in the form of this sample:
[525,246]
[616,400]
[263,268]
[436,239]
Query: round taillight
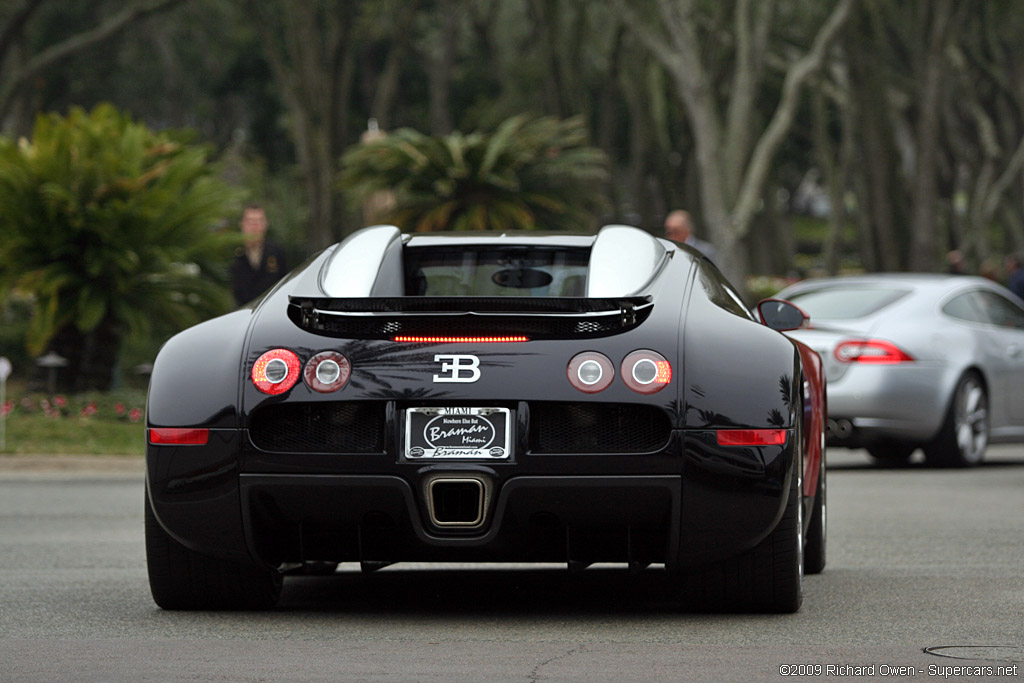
[327,371]
[646,372]
[590,372]
[276,371]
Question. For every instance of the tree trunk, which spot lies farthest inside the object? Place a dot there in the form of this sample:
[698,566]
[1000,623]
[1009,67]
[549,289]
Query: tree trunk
[440,66]
[108,28]
[309,51]
[833,160]
[729,202]
[881,181]
[92,357]
[1014,222]
[924,197]
[870,116]
[386,87]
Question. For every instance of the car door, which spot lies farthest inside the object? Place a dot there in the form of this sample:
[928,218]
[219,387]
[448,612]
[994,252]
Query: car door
[1006,327]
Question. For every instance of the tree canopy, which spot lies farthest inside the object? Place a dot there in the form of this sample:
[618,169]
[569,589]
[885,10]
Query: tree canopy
[898,124]
[529,173]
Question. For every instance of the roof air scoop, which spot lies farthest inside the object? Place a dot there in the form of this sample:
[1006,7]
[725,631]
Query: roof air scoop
[353,268]
[623,261]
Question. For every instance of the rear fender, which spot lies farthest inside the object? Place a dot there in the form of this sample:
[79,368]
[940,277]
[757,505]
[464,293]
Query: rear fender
[196,374]
[194,489]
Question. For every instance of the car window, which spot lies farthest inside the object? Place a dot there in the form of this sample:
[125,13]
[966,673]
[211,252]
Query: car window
[1001,311]
[512,271]
[982,306]
[847,301]
[965,307]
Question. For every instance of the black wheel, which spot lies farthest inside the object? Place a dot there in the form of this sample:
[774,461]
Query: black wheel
[768,578]
[815,547]
[891,452]
[181,579]
[962,440]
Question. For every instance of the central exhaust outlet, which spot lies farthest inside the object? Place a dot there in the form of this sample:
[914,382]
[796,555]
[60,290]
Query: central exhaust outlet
[458,500]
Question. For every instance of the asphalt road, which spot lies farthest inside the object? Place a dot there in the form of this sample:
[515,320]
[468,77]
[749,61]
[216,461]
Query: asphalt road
[917,559]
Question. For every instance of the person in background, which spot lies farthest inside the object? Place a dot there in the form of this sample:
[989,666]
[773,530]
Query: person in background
[679,228]
[259,262]
[955,263]
[990,270]
[1015,274]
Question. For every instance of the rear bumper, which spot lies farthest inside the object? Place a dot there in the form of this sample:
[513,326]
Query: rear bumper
[692,502]
[382,518]
[888,402]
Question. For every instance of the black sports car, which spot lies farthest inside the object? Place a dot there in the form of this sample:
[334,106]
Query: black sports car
[489,398]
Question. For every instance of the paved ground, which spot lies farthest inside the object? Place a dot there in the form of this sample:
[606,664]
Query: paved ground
[78,465]
[918,559]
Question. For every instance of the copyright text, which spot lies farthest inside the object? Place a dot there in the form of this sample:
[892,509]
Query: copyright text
[886,670]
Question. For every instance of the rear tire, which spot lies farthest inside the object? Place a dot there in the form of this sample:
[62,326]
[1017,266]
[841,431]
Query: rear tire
[962,440]
[891,453]
[768,578]
[181,579]
[814,549]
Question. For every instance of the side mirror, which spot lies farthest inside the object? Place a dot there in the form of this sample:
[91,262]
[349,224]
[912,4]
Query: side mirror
[781,315]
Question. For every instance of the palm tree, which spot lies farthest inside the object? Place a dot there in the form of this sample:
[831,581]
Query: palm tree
[109,227]
[529,173]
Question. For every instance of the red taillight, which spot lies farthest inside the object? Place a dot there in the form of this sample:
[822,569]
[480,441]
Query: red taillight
[460,340]
[751,437]
[327,371]
[178,436]
[646,372]
[876,351]
[590,372]
[276,371]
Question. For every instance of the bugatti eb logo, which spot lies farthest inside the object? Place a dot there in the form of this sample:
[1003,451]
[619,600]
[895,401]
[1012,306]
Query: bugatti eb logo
[457,367]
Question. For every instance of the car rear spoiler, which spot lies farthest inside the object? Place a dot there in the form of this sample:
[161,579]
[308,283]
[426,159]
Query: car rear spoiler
[533,317]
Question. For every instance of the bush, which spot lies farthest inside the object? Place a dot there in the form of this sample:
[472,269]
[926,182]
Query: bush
[109,228]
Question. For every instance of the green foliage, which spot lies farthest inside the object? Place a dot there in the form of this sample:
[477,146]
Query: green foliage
[15,314]
[38,434]
[529,173]
[110,225]
[90,423]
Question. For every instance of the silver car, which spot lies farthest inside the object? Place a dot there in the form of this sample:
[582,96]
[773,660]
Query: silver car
[914,360]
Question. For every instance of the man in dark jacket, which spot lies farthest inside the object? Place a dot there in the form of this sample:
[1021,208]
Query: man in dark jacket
[260,262]
[1015,271]
[679,228]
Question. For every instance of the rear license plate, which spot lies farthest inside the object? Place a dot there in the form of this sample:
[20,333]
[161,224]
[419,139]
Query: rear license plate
[457,433]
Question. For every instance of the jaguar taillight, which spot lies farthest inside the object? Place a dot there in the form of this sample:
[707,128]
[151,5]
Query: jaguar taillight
[876,351]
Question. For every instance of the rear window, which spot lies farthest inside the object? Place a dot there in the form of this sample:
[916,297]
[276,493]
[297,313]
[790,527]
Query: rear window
[508,271]
[845,303]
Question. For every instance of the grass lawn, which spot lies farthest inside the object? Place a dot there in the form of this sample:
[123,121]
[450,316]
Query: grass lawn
[73,435]
[87,424]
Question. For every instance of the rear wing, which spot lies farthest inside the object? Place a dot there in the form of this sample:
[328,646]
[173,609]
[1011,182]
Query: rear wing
[532,317]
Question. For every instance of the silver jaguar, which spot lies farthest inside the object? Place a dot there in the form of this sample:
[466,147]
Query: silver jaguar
[917,361]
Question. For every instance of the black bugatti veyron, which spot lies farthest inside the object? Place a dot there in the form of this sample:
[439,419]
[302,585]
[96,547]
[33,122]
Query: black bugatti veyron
[489,398]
